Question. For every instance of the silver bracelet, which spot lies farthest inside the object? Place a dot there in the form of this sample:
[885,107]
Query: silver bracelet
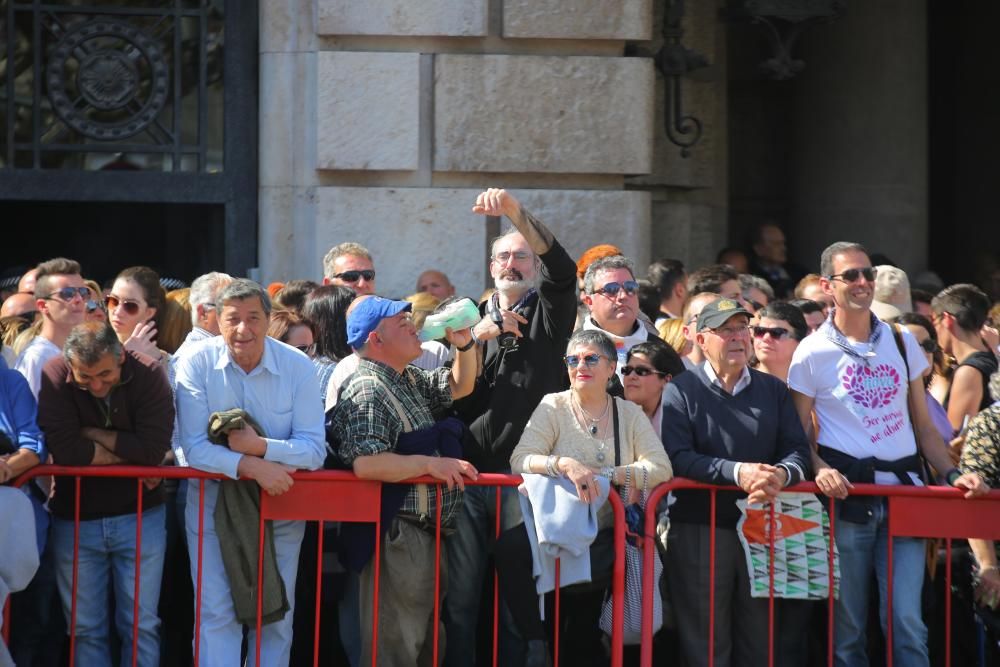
[550,466]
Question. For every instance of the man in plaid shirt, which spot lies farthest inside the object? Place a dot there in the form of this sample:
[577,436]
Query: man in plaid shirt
[384,428]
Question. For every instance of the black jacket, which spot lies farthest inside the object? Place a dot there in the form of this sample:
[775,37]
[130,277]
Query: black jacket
[513,382]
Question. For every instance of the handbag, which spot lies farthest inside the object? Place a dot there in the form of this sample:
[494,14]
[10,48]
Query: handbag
[632,600]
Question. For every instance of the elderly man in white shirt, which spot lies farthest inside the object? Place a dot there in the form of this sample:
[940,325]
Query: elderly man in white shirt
[276,385]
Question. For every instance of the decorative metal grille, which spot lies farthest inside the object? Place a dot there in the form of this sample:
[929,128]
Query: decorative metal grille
[113,84]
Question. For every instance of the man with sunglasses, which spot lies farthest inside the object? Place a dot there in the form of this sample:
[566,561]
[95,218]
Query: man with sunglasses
[872,415]
[725,423]
[61,298]
[534,308]
[350,264]
[611,293]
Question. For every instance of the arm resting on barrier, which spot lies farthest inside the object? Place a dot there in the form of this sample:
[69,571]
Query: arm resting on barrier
[391,467]
[828,479]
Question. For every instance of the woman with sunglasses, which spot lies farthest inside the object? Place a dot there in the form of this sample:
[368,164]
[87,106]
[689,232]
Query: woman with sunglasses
[95,304]
[780,326]
[292,330]
[648,368]
[135,306]
[572,434]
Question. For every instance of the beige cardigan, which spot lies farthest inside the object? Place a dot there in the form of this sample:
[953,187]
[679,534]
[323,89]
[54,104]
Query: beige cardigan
[554,430]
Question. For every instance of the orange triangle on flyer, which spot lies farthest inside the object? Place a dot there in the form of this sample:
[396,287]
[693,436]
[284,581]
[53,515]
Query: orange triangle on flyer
[756,526]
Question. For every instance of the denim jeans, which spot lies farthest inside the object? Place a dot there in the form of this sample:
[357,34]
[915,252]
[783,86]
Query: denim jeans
[107,558]
[468,553]
[863,549]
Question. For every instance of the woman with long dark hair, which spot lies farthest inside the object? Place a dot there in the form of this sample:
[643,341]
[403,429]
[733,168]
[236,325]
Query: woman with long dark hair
[135,310]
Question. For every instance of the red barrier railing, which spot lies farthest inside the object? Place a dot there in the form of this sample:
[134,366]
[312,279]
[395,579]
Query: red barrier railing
[323,496]
[921,512]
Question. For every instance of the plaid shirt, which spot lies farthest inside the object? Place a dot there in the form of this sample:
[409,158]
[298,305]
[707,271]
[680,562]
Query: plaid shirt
[365,421]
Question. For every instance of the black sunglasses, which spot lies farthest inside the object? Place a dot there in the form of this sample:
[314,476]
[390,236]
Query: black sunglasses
[355,276]
[93,305]
[851,275]
[130,307]
[641,371]
[589,360]
[929,346]
[612,289]
[67,293]
[307,349]
[777,333]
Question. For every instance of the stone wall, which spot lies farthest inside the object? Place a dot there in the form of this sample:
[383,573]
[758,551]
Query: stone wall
[382,119]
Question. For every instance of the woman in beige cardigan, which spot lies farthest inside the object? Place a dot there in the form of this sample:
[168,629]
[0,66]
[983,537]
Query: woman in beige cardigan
[571,434]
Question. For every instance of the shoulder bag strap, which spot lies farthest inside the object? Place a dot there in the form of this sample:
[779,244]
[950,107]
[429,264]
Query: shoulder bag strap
[397,406]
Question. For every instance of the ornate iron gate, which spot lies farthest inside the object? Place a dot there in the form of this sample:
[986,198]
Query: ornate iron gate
[134,101]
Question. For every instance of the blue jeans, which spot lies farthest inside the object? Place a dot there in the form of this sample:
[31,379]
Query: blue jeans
[107,557]
[863,548]
[468,552]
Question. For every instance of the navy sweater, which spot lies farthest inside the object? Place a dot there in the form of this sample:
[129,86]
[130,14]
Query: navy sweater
[707,431]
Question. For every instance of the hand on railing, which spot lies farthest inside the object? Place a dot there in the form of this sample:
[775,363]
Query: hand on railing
[763,482]
[274,478]
[451,471]
[972,484]
[832,483]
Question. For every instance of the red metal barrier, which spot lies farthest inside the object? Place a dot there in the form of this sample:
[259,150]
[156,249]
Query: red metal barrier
[324,496]
[923,512]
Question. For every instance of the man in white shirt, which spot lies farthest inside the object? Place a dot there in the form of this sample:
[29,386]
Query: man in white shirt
[872,416]
[61,299]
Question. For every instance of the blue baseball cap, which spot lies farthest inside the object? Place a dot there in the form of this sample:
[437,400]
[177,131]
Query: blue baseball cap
[366,315]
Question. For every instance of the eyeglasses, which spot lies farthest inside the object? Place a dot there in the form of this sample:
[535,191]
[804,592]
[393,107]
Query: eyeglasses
[94,305]
[355,276]
[589,360]
[851,275]
[68,293]
[731,332]
[641,371]
[128,305]
[777,333]
[611,289]
[929,346]
[308,349]
[519,256]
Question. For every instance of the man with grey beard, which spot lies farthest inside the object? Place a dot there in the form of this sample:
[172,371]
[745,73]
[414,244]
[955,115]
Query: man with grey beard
[523,334]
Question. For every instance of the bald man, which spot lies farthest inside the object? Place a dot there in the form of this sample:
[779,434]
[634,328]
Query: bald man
[27,283]
[18,304]
[436,284]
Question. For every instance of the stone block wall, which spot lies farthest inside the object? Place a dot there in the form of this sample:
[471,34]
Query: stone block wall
[382,119]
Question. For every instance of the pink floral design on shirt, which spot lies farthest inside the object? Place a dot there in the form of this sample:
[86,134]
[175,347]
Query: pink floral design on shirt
[871,387]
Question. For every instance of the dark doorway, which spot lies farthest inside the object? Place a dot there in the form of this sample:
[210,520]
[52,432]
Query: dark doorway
[964,142]
[178,240]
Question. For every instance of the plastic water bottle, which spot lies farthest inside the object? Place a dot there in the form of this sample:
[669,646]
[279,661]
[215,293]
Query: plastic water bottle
[457,315]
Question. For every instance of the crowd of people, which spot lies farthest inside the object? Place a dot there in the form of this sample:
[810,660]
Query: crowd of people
[585,377]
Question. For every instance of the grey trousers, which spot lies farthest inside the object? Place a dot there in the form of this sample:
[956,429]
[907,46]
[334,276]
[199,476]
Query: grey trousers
[740,621]
[406,599]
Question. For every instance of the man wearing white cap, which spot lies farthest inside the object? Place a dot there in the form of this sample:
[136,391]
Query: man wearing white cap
[892,292]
